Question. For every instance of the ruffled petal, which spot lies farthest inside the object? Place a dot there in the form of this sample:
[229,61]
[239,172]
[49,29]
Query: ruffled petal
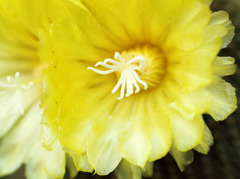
[221,18]
[223,97]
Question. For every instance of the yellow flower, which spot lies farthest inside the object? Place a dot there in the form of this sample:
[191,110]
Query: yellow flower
[20,94]
[131,80]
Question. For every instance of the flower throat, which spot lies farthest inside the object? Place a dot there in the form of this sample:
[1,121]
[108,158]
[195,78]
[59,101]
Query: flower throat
[138,68]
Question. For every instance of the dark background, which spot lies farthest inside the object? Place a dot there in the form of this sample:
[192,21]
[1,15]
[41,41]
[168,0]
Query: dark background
[223,160]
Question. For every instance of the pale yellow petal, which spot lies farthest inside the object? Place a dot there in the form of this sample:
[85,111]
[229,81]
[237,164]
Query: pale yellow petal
[34,163]
[183,159]
[8,118]
[80,161]
[148,169]
[102,149]
[223,98]
[16,144]
[50,138]
[206,142]
[54,162]
[224,66]
[186,29]
[134,143]
[186,133]
[196,102]
[159,125]
[126,170]
[193,70]
[221,18]
[71,167]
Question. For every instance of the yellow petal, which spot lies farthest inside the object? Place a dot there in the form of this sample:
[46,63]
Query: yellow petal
[80,161]
[224,66]
[71,167]
[161,13]
[102,149]
[54,162]
[186,29]
[223,98]
[221,18]
[69,44]
[196,102]
[134,143]
[148,170]
[94,25]
[126,170]
[15,146]
[206,142]
[159,125]
[186,133]
[183,159]
[50,138]
[27,11]
[208,2]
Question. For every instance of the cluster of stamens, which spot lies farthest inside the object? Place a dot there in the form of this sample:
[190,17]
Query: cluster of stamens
[128,78]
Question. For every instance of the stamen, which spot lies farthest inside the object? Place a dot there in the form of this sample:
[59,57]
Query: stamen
[129,79]
[11,93]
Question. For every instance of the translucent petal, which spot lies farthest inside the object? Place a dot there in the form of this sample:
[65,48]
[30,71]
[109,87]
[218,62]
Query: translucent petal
[71,167]
[223,98]
[224,66]
[148,169]
[206,142]
[183,159]
[126,170]
[80,161]
[221,18]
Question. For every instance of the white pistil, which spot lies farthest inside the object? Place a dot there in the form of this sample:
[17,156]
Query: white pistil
[11,93]
[129,77]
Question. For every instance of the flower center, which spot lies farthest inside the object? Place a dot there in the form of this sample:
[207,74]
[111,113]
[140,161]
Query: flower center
[136,68]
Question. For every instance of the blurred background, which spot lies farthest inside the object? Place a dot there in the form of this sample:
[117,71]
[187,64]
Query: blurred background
[223,160]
